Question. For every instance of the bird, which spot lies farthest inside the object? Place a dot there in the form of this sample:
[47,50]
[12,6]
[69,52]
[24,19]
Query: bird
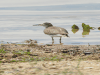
[53,31]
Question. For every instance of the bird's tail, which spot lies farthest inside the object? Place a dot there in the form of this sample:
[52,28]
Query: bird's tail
[65,35]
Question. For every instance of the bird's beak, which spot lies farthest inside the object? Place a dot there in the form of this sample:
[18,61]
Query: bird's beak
[37,25]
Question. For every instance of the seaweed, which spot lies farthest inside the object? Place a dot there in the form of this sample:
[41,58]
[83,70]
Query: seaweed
[75,27]
[86,27]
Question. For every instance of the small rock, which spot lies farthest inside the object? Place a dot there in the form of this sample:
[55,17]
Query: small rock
[28,50]
[53,67]
[33,73]
[49,44]
[34,54]
[20,66]
[43,65]
[88,68]
[47,51]
[14,56]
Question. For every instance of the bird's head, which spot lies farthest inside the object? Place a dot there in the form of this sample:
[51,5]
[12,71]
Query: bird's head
[46,25]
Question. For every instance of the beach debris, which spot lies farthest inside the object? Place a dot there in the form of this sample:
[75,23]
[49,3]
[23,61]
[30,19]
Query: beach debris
[47,50]
[30,41]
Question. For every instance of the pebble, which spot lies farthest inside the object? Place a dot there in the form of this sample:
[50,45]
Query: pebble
[20,66]
[53,67]
[88,67]
[14,56]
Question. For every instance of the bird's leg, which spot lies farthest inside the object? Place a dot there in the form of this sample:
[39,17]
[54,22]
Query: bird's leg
[60,40]
[52,40]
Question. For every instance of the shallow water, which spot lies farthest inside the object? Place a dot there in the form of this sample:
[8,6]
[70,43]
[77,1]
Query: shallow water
[16,25]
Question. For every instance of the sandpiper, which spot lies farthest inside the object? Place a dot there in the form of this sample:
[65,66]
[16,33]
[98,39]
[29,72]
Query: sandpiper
[53,31]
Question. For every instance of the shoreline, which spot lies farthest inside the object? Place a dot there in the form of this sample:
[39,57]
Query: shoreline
[29,59]
[41,43]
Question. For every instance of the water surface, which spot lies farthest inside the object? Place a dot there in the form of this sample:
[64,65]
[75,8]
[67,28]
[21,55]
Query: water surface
[16,25]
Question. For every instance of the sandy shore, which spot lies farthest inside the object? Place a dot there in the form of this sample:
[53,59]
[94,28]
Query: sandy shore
[34,59]
[51,68]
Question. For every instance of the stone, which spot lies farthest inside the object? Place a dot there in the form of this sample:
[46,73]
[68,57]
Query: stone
[53,67]
[88,67]
[14,56]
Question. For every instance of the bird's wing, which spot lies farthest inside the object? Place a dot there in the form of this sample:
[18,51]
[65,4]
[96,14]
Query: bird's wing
[55,30]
